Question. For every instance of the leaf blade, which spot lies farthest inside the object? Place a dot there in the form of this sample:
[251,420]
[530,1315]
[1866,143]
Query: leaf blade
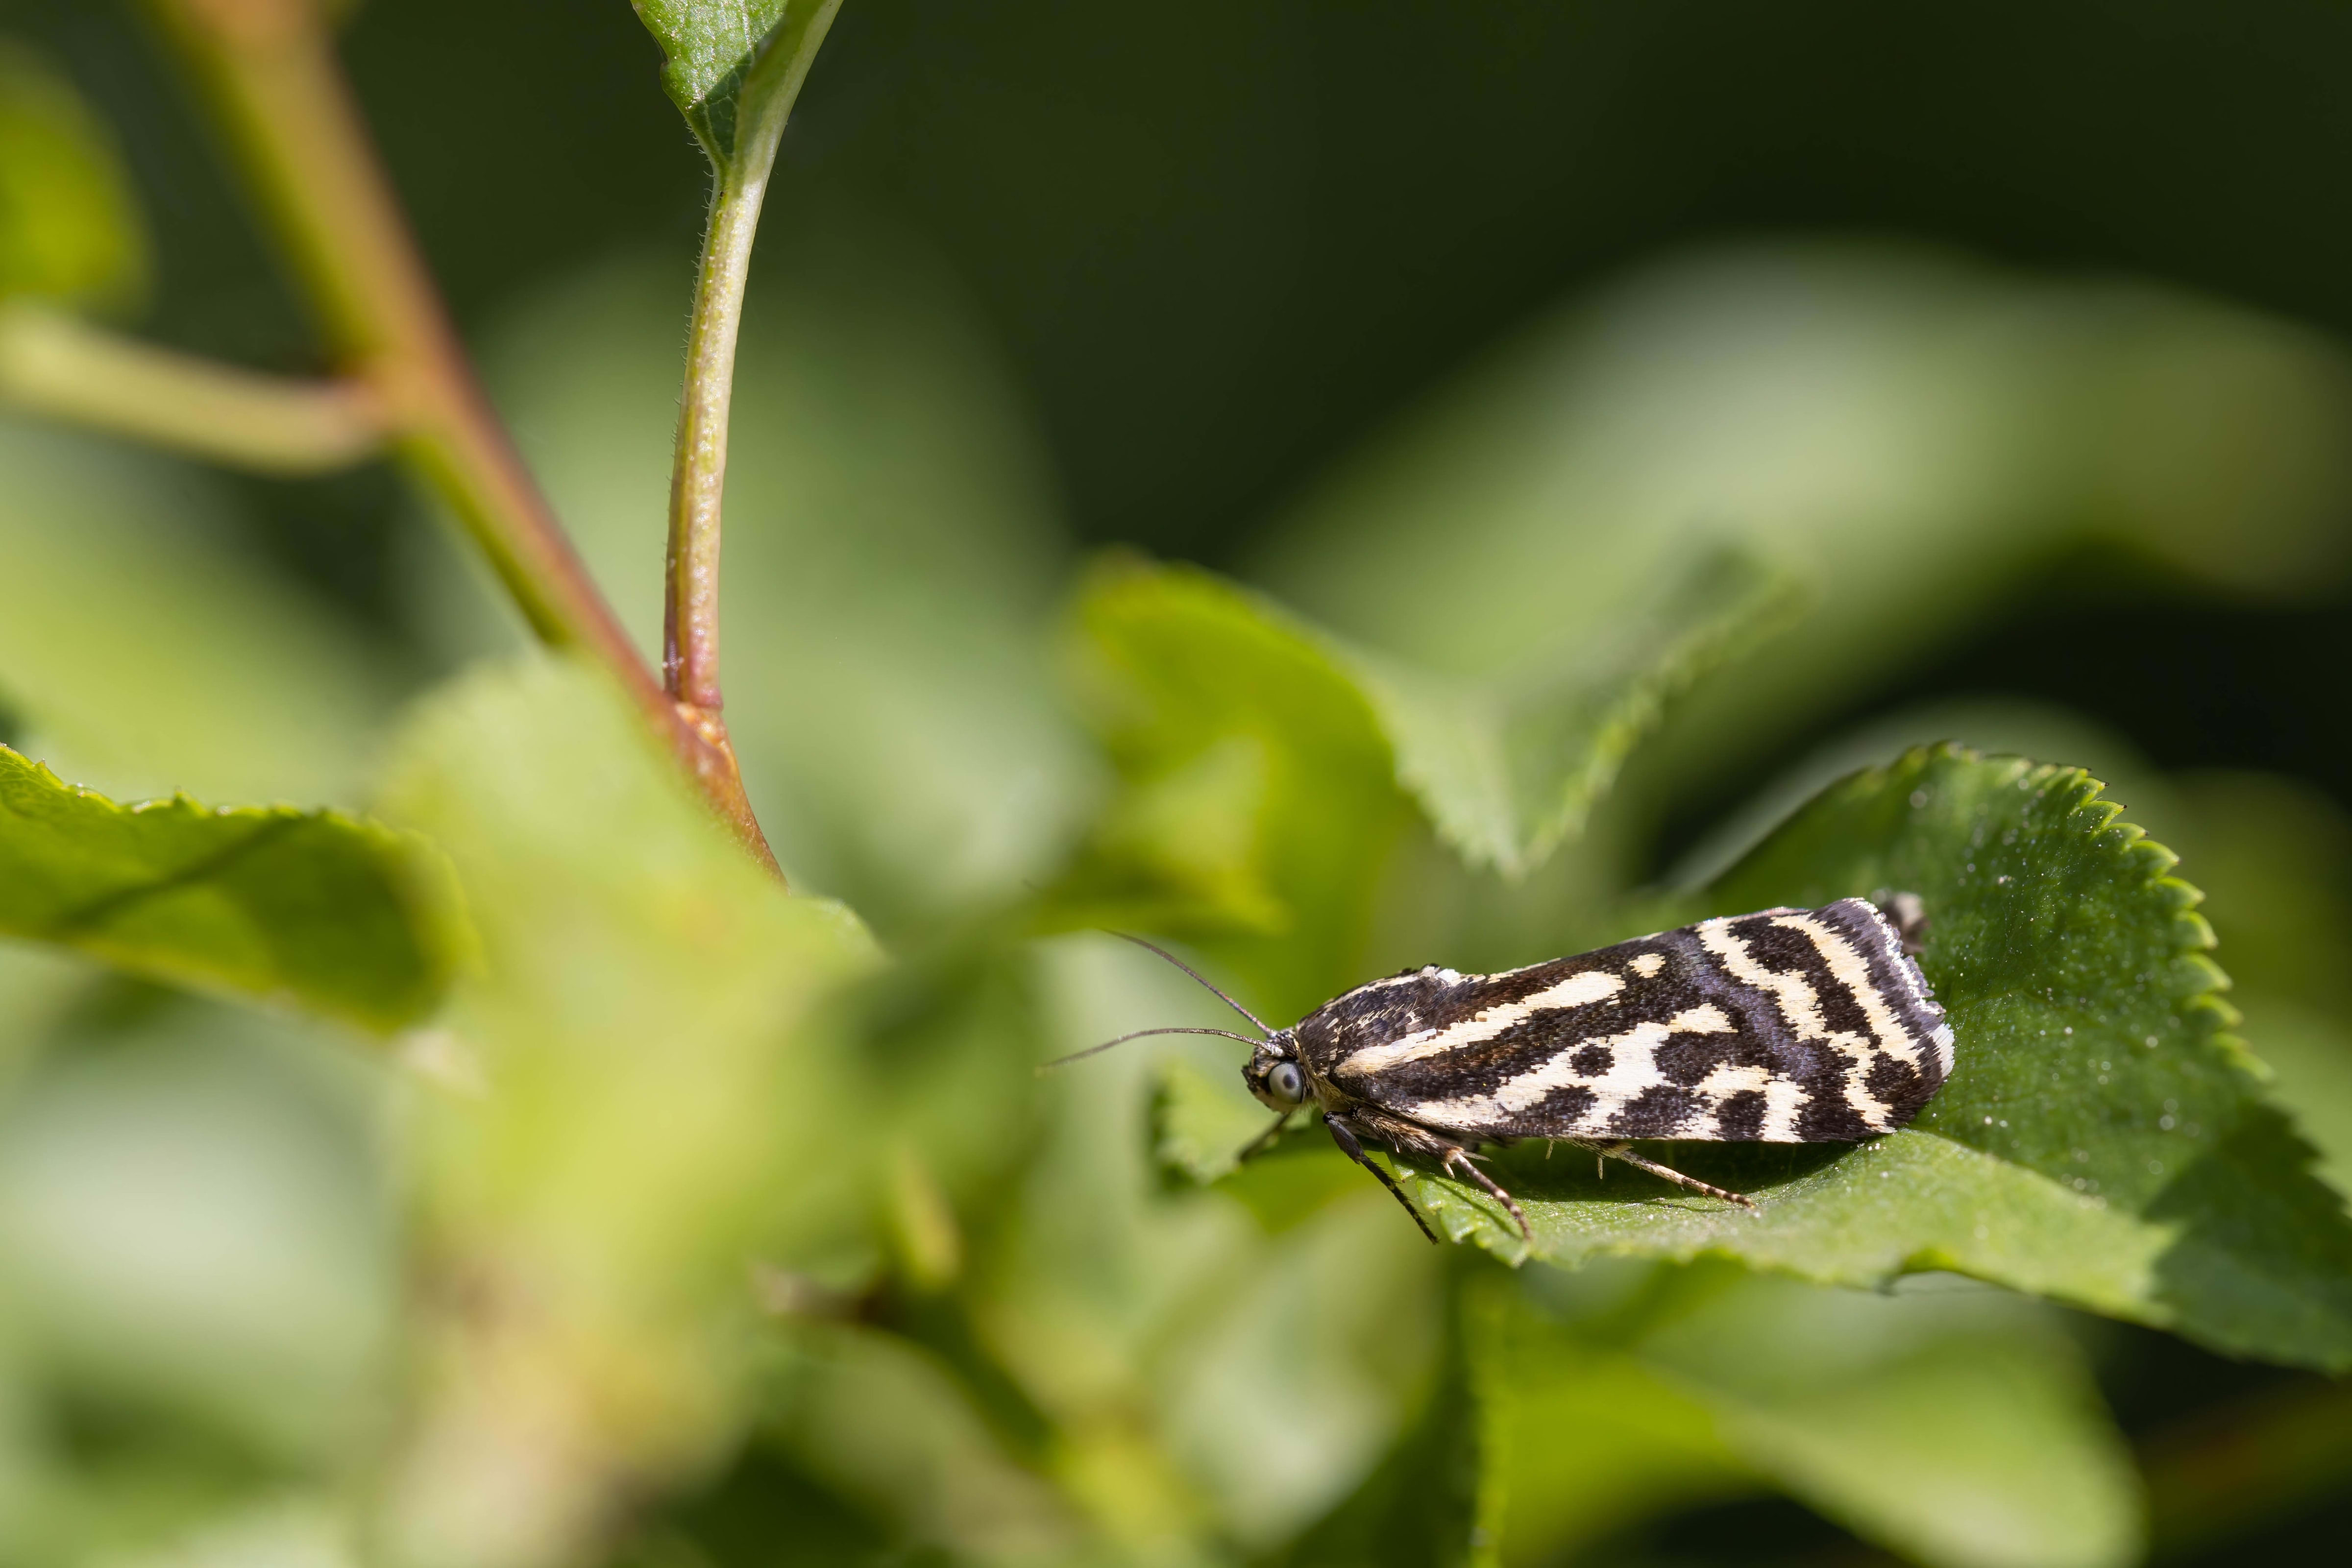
[2102,1140]
[339,915]
[717,55]
[1508,770]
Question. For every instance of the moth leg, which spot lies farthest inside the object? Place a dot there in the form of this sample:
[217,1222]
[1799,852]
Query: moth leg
[1459,1159]
[1264,1140]
[1355,1151]
[1668,1173]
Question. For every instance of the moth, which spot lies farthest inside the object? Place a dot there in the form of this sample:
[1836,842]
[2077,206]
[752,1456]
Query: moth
[1787,1026]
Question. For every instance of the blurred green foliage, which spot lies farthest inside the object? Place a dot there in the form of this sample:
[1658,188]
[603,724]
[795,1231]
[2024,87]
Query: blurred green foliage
[71,231]
[703,1224]
[335,915]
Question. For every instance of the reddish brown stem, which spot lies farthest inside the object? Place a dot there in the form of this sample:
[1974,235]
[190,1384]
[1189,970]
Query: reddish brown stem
[281,93]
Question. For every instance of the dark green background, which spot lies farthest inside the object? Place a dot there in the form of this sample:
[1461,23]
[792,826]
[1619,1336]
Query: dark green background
[1222,243]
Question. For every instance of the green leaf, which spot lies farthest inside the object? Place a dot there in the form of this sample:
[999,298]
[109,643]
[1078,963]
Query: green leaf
[1259,801]
[1508,768]
[1205,1379]
[719,54]
[69,228]
[1267,765]
[882,1423]
[1201,1121]
[330,913]
[1437,1499]
[2103,1140]
[630,1113]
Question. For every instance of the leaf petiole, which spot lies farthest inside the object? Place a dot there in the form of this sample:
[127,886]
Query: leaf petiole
[698,472]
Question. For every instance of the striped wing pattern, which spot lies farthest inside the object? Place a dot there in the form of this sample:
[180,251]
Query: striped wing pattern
[1786,1026]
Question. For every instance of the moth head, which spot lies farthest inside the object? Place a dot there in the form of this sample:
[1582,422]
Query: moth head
[1274,1075]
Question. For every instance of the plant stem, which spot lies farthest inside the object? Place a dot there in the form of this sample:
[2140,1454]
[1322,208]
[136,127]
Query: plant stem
[59,365]
[271,67]
[698,473]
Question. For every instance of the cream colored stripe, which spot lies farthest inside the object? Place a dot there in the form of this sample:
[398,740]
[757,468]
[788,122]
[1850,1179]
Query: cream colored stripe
[1847,967]
[1579,990]
[1799,1007]
[1852,972]
[1632,1067]
[1915,986]
[1802,1006]
[1783,1098]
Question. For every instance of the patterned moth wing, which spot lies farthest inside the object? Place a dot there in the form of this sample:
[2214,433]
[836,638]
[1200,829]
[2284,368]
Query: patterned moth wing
[1788,1026]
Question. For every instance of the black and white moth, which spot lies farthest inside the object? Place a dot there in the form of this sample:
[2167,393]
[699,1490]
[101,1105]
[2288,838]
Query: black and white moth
[1787,1026]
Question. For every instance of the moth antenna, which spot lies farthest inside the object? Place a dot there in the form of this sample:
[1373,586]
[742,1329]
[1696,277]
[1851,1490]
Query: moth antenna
[1203,978]
[1139,1034]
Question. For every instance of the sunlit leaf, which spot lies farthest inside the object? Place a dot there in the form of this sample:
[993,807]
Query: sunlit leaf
[316,909]
[1506,769]
[1267,766]
[2102,1140]
[69,228]
[1259,798]
[1201,1122]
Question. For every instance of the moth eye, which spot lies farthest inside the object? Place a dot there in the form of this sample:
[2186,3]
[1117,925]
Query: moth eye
[1286,1082]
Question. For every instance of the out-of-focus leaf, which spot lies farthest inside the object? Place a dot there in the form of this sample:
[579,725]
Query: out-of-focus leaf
[1201,1122]
[142,653]
[289,1532]
[2309,1054]
[1506,769]
[891,556]
[337,915]
[1267,765]
[1286,1389]
[1579,1438]
[1908,432]
[37,986]
[882,1423]
[69,229]
[2102,1141]
[198,1256]
[1959,1428]
[1437,1499]
[1259,801]
[1207,1380]
[718,52]
[2275,859]
[630,1115]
